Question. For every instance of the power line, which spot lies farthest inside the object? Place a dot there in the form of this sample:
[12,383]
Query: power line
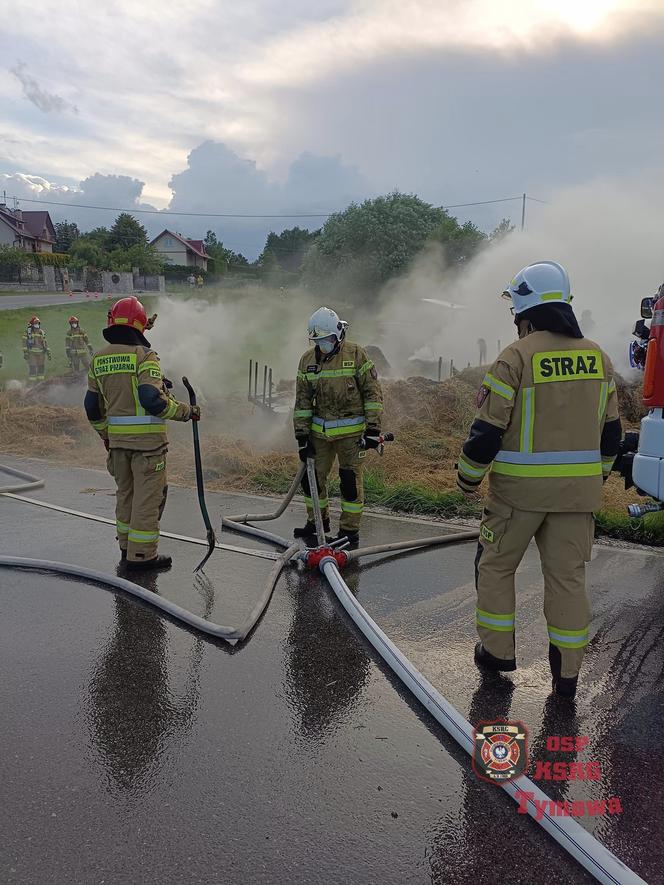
[165,212]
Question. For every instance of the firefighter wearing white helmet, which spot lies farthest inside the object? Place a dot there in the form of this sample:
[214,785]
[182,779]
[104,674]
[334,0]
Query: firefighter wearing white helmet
[337,415]
[547,431]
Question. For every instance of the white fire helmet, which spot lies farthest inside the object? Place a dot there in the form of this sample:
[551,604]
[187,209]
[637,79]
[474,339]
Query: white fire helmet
[545,282]
[325,322]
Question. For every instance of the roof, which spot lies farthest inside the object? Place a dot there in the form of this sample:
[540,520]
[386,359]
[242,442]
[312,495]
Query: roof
[33,224]
[37,222]
[196,246]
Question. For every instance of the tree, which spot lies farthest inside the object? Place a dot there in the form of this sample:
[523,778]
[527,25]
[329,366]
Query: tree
[224,259]
[217,252]
[290,247]
[460,242]
[85,253]
[65,234]
[367,244]
[501,230]
[126,232]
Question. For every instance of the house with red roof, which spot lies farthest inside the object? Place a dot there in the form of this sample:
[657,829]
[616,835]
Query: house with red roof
[176,249]
[27,231]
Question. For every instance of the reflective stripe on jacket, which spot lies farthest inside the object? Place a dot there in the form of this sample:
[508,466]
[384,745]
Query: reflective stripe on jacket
[76,341]
[547,399]
[116,374]
[337,396]
[35,342]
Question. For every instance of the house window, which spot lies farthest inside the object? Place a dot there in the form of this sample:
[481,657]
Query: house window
[168,242]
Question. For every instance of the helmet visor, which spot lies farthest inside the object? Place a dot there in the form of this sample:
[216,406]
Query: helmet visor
[316,333]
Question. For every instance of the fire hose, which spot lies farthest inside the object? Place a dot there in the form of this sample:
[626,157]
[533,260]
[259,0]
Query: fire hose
[603,865]
[600,862]
[229,634]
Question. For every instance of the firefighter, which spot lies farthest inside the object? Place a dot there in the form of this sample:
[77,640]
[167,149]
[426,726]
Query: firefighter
[338,409]
[128,404]
[35,350]
[548,429]
[77,346]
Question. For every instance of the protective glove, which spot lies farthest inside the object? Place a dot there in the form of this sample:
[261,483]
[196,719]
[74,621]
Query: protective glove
[194,413]
[305,448]
[370,439]
[91,349]
[168,384]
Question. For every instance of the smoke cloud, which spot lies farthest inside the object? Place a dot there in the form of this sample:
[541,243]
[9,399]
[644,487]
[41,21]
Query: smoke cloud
[607,236]
[47,102]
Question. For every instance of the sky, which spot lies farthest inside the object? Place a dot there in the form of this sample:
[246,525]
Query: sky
[269,107]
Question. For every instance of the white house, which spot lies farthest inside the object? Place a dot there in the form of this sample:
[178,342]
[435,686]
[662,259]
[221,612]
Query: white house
[175,249]
[27,231]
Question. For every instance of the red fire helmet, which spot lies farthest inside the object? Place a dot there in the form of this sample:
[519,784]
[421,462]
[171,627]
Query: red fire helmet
[128,312]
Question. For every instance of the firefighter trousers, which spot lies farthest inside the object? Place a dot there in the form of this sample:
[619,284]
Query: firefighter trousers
[351,464]
[36,364]
[140,478]
[564,541]
[80,362]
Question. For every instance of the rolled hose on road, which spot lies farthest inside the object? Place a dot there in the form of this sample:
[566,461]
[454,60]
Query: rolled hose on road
[232,635]
[579,843]
[600,862]
[29,482]
[592,855]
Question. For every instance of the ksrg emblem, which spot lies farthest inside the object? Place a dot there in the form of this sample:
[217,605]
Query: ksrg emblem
[501,751]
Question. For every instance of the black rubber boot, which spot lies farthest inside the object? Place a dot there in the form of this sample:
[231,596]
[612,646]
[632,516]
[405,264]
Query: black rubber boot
[158,563]
[123,555]
[486,661]
[563,686]
[308,530]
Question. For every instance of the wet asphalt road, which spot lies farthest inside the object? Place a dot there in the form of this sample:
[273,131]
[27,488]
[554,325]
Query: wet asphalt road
[136,751]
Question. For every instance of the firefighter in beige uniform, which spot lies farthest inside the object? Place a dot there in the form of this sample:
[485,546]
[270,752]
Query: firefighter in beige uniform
[338,410]
[128,404]
[548,430]
[35,349]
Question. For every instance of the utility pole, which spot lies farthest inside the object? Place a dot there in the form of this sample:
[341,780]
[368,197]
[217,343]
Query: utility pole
[523,212]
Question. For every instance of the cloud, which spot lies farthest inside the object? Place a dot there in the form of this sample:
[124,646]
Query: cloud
[218,180]
[374,29]
[47,102]
[65,201]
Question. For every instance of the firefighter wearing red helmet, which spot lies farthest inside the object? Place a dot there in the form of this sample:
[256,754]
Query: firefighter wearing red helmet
[35,350]
[128,403]
[77,346]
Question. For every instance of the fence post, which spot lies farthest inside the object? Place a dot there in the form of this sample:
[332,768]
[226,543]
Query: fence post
[451,368]
[256,380]
[440,369]
[270,390]
[251,368]
[264,383]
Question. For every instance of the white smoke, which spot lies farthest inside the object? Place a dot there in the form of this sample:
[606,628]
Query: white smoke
[607,235]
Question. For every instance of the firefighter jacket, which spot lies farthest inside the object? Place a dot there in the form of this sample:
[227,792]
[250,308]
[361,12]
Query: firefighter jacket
[127,401]
[76,342]
[337,395]
[34,341]
[547,428]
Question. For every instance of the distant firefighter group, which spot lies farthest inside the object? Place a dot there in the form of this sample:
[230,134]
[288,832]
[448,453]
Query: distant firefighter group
[36,349]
